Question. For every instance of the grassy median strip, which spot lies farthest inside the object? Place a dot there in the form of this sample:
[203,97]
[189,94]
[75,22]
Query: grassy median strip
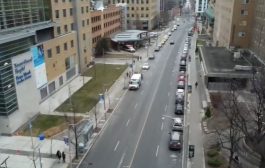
[47,124]
[103,76]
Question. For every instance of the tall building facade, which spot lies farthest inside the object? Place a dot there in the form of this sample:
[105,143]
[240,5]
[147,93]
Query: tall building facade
[200,6]
[105,22]
[257,44]
[43,45]
[233,23]
[141,14]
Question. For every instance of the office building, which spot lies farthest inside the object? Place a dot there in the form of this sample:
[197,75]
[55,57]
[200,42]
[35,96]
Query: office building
[257,44]
[200,6]
[105,22]
[43,46]
[233,23]
[141,14]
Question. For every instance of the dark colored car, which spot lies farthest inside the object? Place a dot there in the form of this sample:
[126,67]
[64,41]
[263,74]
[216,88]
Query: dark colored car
[179,109]
[182,68]
[175,141]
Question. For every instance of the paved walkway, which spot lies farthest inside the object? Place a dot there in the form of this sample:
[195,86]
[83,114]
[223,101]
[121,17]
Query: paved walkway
[18,150]
[194,110]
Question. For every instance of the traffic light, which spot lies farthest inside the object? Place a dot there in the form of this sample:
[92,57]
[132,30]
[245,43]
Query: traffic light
[191,151]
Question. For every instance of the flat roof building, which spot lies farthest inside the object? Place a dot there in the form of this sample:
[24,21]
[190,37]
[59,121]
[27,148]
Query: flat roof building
[141,14]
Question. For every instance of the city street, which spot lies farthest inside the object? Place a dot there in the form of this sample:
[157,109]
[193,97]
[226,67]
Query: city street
[137,134]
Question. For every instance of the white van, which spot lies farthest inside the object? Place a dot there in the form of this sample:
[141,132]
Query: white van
[135,82]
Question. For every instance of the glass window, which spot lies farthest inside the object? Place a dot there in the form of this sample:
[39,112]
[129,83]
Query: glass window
[61,80]
[65,28]
[49,53]
[58,30]
[72,43]
[64,12]
[57,14]
[82,9]
[57,49]
[71,11]
[65,46]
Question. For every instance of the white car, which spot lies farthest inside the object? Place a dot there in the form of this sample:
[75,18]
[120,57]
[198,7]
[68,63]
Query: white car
[180,92]
[177,124]
[169,34]
[146,66]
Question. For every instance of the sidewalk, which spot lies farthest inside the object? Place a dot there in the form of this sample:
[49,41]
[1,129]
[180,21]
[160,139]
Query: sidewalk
[194,110]
[18,150]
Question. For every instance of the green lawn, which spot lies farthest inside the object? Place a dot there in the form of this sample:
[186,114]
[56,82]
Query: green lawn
[87,97]
[119,56]
[200,42]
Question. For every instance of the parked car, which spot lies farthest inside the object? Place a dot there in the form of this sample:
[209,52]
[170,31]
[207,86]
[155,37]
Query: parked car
[175,141]
[146,66]
[157,49]
[182,63]
[129,48]
[181,78]
[182,68]
[179,109]
[181,85]
[169,34]
[151,56]
[179,99]
[172,42]
[177,124]
[180,92]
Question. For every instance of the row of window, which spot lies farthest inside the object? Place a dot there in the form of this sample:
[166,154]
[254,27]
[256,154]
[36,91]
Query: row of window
[58,49]
[137,15]
[112,31]
[65,27]
[136,8]
[105,16]
[95,19]
[70,13]
[57,1]
[130,1]
[96,28]
[111,22]
[95,39]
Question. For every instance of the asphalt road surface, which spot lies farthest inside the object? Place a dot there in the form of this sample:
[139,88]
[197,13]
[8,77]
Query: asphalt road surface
[137,135]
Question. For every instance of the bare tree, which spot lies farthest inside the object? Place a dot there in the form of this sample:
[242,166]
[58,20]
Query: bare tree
[229,136]
[250,120]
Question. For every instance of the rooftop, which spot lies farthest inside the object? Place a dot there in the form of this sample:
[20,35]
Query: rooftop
[22,32]
[129,35]
[220,62]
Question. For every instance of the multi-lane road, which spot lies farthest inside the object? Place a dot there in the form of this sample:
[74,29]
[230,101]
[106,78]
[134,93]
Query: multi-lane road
[137,136]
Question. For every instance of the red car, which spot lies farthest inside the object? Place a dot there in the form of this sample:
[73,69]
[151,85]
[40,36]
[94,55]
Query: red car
[181,78]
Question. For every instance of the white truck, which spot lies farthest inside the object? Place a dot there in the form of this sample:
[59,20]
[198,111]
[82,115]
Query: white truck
[135,82]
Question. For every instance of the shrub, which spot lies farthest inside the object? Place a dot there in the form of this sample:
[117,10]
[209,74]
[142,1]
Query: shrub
[214,162]
[208,112]
[212,153]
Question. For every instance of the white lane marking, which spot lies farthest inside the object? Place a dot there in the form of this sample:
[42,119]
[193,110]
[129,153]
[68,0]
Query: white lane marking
[162,126]
[127,123]
[157,148]
[168,94]
[166,108]
[135,106]
[121,161]
[142,92]
[116,145]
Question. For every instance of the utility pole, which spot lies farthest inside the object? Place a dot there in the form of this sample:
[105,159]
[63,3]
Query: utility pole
[32,145]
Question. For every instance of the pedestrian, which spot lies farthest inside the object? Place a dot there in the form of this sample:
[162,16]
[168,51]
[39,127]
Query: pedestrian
[196,84]
[63,156]
[58,154]
[127,74]
[140,58]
